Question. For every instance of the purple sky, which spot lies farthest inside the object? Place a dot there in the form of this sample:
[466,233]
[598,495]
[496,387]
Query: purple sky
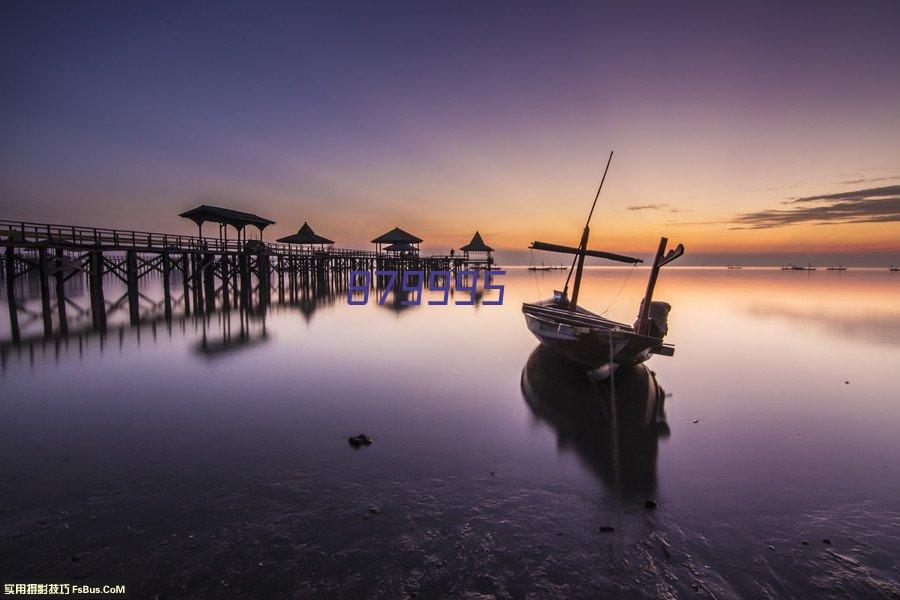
[444,119]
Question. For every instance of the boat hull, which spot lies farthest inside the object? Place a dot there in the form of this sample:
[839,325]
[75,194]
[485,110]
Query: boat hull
[593,346]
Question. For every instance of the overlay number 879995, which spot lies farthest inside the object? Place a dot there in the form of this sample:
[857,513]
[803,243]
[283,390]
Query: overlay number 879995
[413,284]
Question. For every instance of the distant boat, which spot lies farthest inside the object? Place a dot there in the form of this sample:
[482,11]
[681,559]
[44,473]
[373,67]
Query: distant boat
[809,267]
[838,268]
[541,267]
[893,268]
[734,267]
[588,339]
[787,267]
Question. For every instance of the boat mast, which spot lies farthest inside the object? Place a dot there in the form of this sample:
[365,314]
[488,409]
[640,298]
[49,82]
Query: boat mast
[578,263]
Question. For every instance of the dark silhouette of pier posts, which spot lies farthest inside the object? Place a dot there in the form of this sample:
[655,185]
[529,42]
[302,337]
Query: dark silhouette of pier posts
[280,267]
[131,283]
[235,290]
[263,273]
[197,282]
[224,268]
[10,275]
[209,282]
[186,283]
[60,277]
[95,283]
[167,293]
[292,278]
[243,260]
[45,291]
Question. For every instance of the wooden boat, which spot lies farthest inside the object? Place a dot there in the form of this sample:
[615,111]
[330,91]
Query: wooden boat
[586,338]
[838,268]
[735,267]
[893,268]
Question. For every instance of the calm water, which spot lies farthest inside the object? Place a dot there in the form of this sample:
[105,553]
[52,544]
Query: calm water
[194,468]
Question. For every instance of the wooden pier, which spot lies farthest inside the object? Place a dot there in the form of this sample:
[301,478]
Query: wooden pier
[198,274]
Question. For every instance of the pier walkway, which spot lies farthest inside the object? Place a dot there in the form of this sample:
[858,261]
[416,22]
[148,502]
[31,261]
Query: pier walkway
[207,271]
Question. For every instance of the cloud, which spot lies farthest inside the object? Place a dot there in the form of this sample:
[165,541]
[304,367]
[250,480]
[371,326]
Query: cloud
[872,205]
[647,207]
[681,210]
[867,180]
[890,190]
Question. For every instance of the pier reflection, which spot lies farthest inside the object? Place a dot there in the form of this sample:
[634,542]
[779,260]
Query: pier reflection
[223,323]
[613,425]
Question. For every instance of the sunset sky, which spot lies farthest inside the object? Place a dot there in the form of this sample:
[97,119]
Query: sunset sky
[767,131]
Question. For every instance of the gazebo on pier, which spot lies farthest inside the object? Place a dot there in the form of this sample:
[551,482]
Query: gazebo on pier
[482,252]
[305,236]
[397,240]
[225,217]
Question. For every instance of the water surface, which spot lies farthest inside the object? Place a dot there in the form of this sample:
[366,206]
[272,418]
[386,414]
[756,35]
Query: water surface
[208,457]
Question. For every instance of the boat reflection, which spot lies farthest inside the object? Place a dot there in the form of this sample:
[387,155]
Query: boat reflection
[613,425]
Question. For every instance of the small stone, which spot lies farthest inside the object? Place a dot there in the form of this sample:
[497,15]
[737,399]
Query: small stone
[804,543]
[606,529]
[359,440]
[826,541]
[695,421]
[74,559]
[650,504]
[846,383]
[374,511]
[771,547]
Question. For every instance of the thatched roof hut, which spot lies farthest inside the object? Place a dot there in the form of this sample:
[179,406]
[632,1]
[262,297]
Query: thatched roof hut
[398,239]
[397,236]
[305,236]
[476,245]
[225,216]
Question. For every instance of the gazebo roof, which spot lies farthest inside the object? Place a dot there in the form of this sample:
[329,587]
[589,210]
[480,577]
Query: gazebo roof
[400,247]
[476,245]
[225,216]
[396,236]
[305,235]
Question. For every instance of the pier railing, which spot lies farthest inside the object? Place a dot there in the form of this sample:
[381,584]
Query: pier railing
[101,237]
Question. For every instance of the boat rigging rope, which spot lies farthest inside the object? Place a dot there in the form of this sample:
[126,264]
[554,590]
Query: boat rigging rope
[624,283]
[536,283]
